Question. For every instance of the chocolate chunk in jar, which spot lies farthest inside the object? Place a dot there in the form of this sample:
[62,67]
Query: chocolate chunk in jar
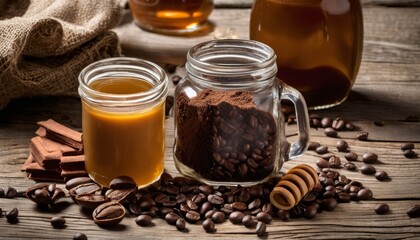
[233,140]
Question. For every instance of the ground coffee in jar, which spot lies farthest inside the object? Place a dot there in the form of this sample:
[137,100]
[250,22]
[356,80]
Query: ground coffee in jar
[229,127]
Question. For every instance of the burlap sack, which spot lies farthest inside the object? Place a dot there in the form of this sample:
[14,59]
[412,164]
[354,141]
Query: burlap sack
[44,44]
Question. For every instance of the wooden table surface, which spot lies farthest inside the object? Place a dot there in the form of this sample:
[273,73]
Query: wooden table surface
[384,101]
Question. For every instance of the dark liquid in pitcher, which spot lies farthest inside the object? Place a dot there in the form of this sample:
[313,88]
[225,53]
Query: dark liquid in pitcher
[318,44]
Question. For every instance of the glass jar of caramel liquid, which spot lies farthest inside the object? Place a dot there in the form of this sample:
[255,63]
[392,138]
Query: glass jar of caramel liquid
[318,45]
[171,16]
[123,116]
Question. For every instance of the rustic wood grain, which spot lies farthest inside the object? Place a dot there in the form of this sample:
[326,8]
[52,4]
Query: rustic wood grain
[386,91]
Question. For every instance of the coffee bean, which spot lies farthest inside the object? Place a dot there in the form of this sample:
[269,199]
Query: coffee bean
[381,175]
[180,224]
[122,182]
[146,202]
[249,221]
[264,217]
[335,162]
[327,156]
[215,200]
[343,197]
[192,216]
[321,150]
[382,208]
[409,153]
[218,217]
[108,214]
[58,222]
[369,157]
[367,169]
[239,206]
[326,122]
[350,166]
[338,124]
[342,145]
[10,192]
[118,195]
[208,225]
[206,189]
[143,220]
[330,132]
[80,236]
[351,156]
[77,181]
[12,215]
[407,146]
[283,215]
[84,189]
[350,126]
[364,194]
[261,229]
[171,218]
[256,203]
[321,163]
[315,123]
[414,211]
[362,136]
[310,212]
[328,204]
[313,145]
[236,217]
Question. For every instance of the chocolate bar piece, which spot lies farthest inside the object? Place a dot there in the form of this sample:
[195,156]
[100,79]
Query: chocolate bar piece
[73,174]
[60,133]
[73,162]
[51,145]
[42,155]
[46,177]
[28,161]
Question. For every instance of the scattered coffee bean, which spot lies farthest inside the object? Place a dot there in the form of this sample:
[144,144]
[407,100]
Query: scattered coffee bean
[330,132]
[338,124]
[180,224]
[192,216]
[236,217]
[367,169]
[335,162]
[407,146]
[381,175]
[350,126]
[328,204]
[351,156]
[218,217]
[261,229]
[249,221]
[326,122]
[382,208]
[369,157]
[80,236]
[322,163]
[414,211]
[312,146]
[108,214]
[208,225]
[58,222]
[215,200]
[310,212]
[362,136]
[171,218]
[350,166]
[342,145]
[143,220]
[12,215]
[321,149]
[409,153]
[264,217]
[77,181]
[122,182]
[364,194]
[10,192]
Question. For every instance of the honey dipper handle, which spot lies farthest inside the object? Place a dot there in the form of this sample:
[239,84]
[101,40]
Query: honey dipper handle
[297,148]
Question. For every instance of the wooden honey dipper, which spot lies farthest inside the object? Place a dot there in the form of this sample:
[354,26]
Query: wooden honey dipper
[293,186]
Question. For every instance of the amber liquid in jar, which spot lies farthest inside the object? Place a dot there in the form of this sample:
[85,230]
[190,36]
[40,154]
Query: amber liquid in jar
[171,16]
[318,44]
[130,144]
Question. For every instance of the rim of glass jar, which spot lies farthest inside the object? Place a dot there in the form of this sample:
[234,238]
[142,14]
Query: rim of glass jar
[249,61]
[123,67]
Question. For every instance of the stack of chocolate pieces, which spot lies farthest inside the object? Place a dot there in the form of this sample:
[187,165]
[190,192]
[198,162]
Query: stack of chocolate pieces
[56,154]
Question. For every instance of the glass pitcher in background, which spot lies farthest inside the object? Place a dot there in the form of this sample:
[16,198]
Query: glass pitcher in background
[318,44]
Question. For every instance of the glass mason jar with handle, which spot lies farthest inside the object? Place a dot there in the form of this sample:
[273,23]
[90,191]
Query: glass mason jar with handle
[318,45]
[229,128]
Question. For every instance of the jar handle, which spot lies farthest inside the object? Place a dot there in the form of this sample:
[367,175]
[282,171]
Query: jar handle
[297,148]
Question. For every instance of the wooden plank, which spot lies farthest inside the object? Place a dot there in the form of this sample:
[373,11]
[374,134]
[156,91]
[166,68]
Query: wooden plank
[248,3]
